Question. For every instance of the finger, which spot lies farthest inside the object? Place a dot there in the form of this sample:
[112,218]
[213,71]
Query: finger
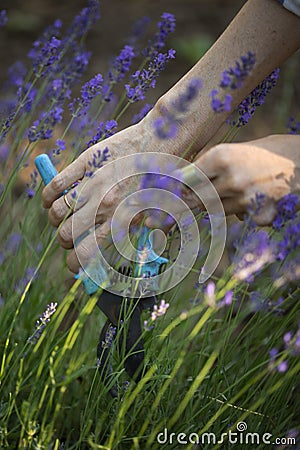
[63,181]
[81,222]
[64,206]
[214,161]
[86,251]
[267,214]
[64,235]
[162,220]
[240,207]
[60,209]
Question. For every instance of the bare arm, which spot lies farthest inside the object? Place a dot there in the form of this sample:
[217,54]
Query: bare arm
[263,27]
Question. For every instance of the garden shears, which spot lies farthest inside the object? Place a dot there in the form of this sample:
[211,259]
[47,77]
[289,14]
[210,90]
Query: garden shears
[115,306]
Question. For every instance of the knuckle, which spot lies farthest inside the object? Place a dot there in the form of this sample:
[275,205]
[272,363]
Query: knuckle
[56,211]
[222,159]
[83,251]
[81,163]
[236,184]
[72,262]
[100,236]
[64,235]
[57,183]
[109,199]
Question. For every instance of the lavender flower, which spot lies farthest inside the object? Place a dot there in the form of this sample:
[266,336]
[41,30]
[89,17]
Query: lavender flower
[109,337]
[164,182]
[104,130]
[44,54]
[30,187]
[291,346]
[60,147]
[274,363]
[286,210]
[3,18]
[256,98]
[293,126]
[121,64]
[99,158]
[13,243]
[43,127]
[165,27]
[282,366]
[290,240]
[158,311]
[2,257]
[61,144]
[218,105]
[165,127]
[4,152]
[39,49]
[89,91]
[254,253]
[183,101]
[77,65]
[227,300]
[84,21]
[6,125]
[259,302]
[141,81]
[59,90]
[126,385]
[143,112]
[273,353]
[42,322]
[210,295]
[234,77]
[26,97]
[30,274]
[16,74]
[74,193]
[138,31]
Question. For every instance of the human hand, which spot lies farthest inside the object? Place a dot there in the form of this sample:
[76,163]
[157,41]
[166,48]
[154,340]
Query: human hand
[270,166]
[85,198]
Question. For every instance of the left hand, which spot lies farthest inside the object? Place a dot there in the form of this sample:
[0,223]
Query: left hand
[269,166]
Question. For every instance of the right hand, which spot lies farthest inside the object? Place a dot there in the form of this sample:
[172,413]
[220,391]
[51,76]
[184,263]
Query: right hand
[125,142]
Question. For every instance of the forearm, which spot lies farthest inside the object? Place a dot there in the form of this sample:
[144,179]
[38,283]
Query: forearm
[263,27]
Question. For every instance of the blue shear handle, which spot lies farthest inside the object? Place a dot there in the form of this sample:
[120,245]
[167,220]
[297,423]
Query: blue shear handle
[46,168]
[151,261]
[48,172]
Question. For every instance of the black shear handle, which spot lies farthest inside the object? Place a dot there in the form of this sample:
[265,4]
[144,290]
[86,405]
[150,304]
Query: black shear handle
[113,307]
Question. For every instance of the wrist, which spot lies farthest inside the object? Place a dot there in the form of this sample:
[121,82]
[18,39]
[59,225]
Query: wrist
[164,132]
